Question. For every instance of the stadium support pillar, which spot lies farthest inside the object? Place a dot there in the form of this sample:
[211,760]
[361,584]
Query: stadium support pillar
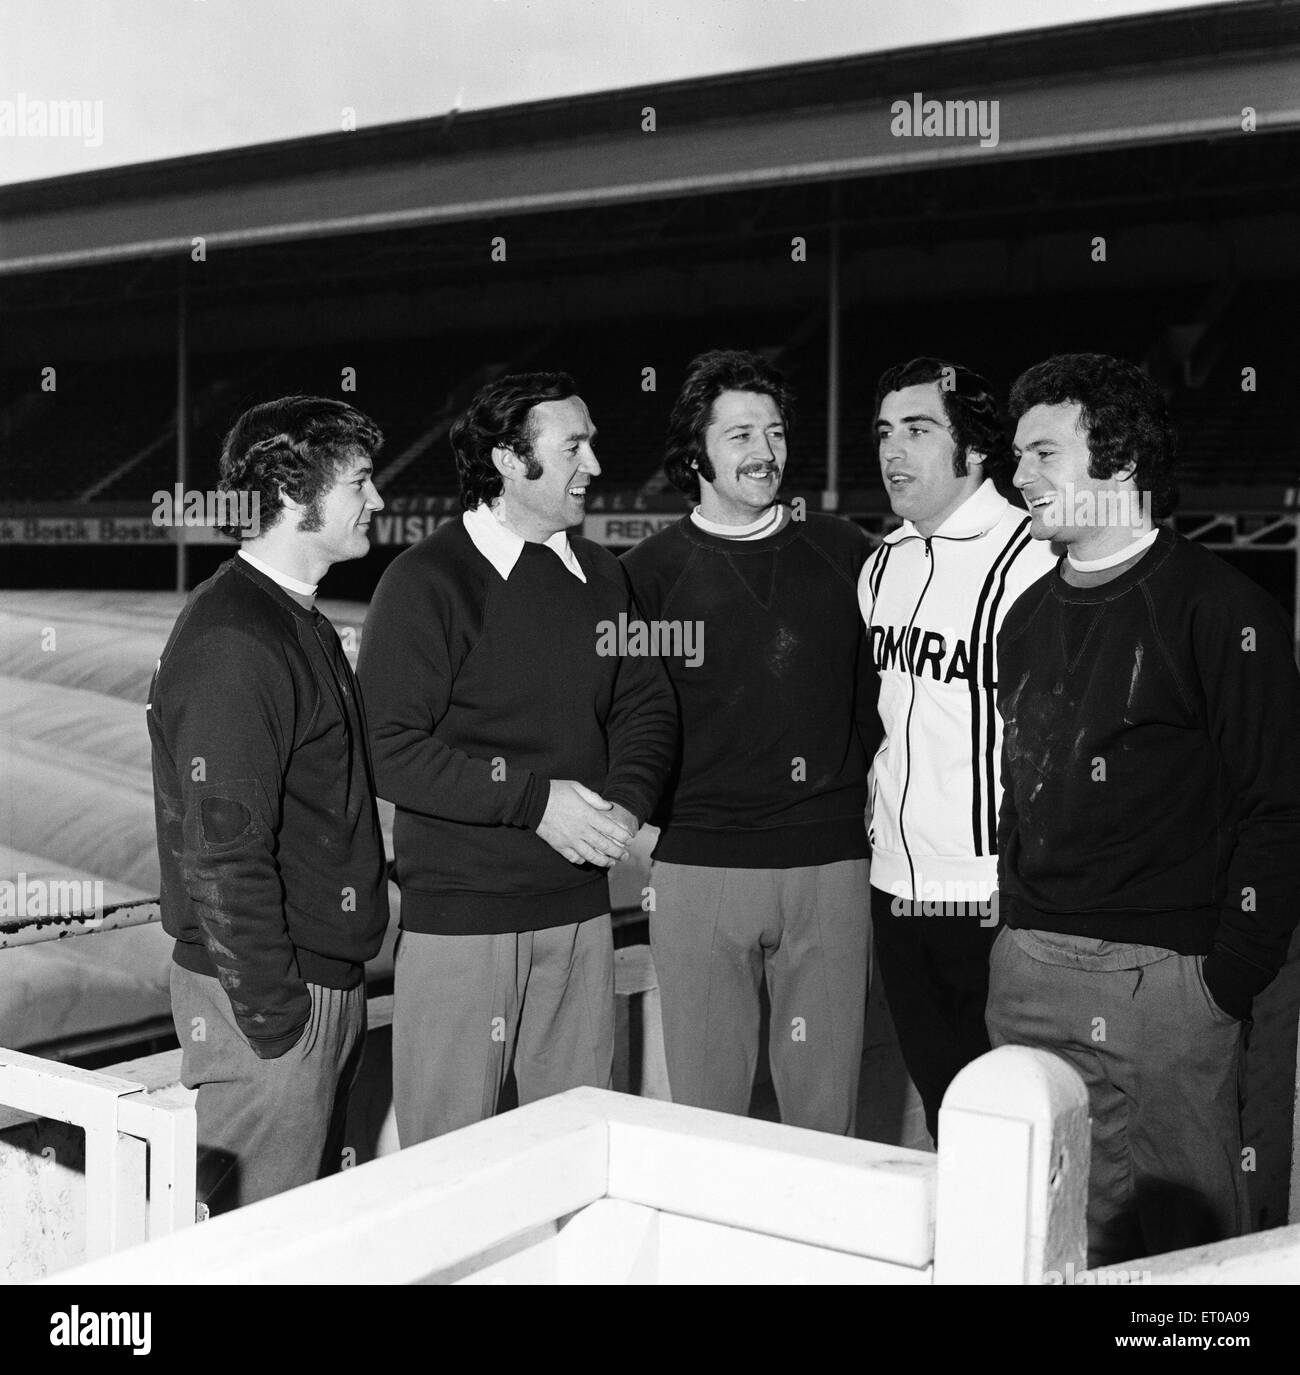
[831,496]
[182,413]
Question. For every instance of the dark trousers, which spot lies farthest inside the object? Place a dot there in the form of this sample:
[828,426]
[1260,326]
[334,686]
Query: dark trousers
[265,1126]
[935,971]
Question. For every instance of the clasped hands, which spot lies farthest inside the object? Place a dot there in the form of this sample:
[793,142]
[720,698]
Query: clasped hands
[580,825]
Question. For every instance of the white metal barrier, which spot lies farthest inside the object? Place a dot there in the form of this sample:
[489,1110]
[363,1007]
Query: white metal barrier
[595,1187]
[1271,1257]
[37,930]
[1003,1203]
[139,1148]
[49,1201]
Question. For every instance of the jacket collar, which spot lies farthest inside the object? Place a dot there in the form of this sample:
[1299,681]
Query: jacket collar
[976,516]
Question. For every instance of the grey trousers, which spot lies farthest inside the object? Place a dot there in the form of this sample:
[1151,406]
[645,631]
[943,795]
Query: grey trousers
[265,1126]
[466,1007]
[1162,1064]
[715,935]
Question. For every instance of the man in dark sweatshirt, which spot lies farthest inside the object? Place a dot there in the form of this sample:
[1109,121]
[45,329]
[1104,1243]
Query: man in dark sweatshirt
[761,866]
[522,759]
[273,876]
[1149,835]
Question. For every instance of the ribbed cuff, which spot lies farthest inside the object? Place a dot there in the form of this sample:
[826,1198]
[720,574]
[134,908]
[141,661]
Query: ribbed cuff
[272,1047]
[631,804]
[532,806]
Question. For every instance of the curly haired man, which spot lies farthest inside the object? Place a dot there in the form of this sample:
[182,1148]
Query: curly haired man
[1149,835]
[272,862]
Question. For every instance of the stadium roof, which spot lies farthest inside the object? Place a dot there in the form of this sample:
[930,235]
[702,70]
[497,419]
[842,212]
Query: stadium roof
[1133,82]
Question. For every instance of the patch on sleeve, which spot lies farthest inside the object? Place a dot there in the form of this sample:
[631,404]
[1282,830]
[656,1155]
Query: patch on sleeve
[224,820]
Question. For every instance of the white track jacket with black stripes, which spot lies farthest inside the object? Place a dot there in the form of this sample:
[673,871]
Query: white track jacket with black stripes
[933,608]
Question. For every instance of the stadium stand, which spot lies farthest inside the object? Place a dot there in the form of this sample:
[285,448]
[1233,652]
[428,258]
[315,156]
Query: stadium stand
[84,444]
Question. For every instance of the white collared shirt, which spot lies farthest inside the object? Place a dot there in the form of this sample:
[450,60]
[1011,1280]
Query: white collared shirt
[303,589]
[502,547]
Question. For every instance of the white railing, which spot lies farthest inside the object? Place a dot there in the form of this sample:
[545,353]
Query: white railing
[33,930]
[596,1187]
[139,1147]
[602,1185]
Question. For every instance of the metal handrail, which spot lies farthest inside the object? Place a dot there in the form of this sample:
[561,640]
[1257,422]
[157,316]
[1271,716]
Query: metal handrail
[33,930]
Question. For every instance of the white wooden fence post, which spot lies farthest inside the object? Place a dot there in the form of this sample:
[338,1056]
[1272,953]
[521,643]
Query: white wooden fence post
[136,1148]
[1013,1171]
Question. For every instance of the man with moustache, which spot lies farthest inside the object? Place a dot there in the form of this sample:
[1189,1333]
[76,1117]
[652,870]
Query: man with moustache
[271,857]
[760,870]
[522,761]
[933,597]
[1149,839]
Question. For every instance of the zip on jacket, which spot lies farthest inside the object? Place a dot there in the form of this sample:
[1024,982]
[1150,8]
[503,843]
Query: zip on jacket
[933,606]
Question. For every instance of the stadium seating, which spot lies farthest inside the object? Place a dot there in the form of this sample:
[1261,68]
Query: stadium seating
[108,433]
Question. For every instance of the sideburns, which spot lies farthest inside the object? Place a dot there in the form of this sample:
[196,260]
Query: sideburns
[313,518]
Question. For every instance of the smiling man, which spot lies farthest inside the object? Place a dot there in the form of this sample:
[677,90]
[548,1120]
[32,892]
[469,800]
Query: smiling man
[522,761]
[933,597]
[271,857]
[1149,838]
[760,870]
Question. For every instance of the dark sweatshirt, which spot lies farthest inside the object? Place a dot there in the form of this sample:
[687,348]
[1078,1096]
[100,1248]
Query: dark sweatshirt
[773,768]
[1151,765]
[480,690]
[271,857]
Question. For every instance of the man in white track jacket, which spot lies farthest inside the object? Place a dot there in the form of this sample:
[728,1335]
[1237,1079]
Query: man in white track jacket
[933,597]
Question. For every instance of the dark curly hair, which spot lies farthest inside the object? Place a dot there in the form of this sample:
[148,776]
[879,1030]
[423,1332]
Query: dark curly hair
[1123,415]
[295,446]
[498,417]
[968,402]
[709,375]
